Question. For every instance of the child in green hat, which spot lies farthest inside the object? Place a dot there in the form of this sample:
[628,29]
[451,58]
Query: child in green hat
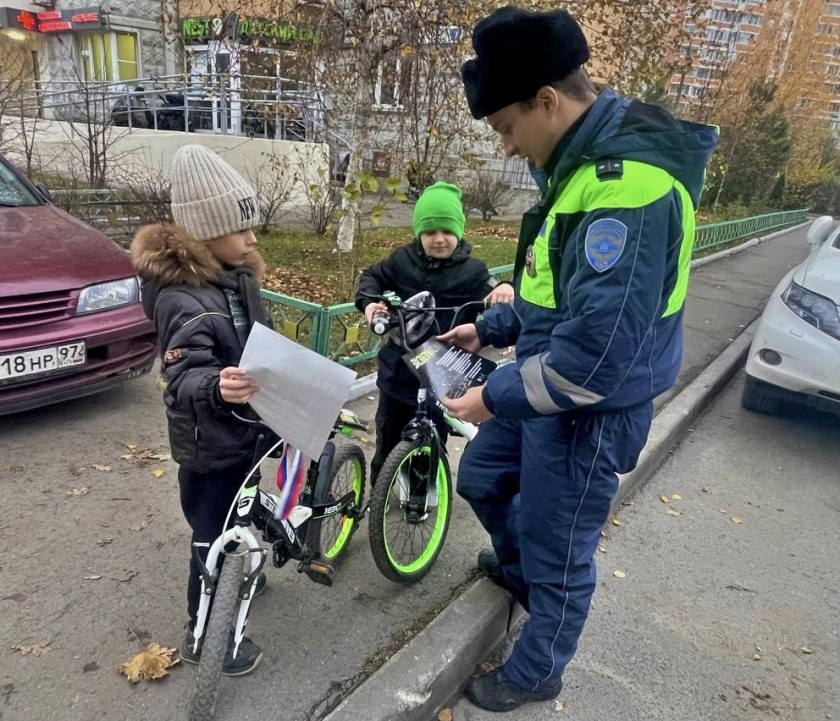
[439,260]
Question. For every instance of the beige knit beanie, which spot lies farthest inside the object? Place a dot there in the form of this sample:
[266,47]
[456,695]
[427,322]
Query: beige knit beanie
[209,198]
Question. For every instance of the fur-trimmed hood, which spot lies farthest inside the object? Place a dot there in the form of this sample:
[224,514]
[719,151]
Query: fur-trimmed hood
[169,255]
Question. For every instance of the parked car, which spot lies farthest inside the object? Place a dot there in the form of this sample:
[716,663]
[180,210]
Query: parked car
[795,354]
[71,323]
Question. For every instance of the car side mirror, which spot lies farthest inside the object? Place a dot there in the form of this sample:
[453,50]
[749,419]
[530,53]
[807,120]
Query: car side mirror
[44,191]
[819,231]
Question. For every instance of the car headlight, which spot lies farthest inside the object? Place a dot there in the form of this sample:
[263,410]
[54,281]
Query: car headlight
[814,309]
[105,296]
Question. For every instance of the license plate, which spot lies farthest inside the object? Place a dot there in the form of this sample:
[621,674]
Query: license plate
[43,360]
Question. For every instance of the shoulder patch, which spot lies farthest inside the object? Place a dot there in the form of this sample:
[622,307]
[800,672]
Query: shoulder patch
[609,169]
[604,243]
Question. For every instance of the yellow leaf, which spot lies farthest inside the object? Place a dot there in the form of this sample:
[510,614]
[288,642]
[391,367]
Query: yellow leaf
[36,649]
[619,574]
[672,512]
[616,522]
[664,499]
[149,664]
[445,714]
[157,473]
[735,519]
[676,497]
[806,650]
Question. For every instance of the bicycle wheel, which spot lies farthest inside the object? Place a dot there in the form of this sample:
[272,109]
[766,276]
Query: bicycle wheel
[407,529]
[330,536]
[216,639]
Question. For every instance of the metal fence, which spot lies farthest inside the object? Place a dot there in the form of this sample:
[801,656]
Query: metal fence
[340,333]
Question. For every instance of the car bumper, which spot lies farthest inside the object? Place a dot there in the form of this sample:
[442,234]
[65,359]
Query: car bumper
[810,359]
[120,344]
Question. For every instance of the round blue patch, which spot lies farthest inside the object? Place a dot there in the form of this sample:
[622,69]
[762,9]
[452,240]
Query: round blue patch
[604,243]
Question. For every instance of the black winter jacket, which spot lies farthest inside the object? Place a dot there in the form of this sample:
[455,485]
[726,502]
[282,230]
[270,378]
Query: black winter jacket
[203,313]
[458,279]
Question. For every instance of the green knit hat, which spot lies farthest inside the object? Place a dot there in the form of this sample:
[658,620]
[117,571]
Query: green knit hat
[439,208]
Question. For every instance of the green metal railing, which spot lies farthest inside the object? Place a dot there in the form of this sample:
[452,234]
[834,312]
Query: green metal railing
[340,333]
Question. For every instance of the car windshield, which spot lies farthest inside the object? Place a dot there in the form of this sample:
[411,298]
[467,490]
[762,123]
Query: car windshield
[13,193]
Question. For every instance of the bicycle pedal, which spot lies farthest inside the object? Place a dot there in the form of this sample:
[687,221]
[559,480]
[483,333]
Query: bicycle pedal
[319,572]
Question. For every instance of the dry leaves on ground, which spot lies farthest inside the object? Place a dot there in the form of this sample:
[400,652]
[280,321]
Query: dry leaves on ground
[619,574]
[100,467]
[93,577]
[36,649]
[157,473]
[664,499]
[142,457]
[673,512]
[616,522]
[559,706]
[149,664]
[77,492]
[676,497]
[735,519]
[445,714]
[127,575]
[299,284]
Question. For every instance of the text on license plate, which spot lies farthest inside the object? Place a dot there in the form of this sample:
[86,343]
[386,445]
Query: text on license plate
[43,360]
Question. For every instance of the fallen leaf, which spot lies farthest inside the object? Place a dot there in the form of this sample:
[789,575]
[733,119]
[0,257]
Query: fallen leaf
[664,499]
[36,649]
[76,492]
[128,574]
[157,473]
[131,446]
[101,467]
[559,706]
[149,664]
[807,651]
[735,519]
[673,512]
[616,522]
[92,578]
[602,549]
[756,657]
[676,497]
[723,510]
[445,714]
[104,541]
[619,574]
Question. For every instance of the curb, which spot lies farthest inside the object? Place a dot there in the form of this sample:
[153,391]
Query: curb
[367,384]
[424,675]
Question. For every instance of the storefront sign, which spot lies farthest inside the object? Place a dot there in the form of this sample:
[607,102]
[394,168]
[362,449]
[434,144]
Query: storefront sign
[201,29]
[51,21]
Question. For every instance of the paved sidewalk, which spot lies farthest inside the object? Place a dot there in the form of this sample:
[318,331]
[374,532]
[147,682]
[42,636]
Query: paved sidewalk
[725,297]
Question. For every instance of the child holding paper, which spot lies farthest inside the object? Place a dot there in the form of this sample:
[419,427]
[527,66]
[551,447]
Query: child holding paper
[200,285]
[438,259]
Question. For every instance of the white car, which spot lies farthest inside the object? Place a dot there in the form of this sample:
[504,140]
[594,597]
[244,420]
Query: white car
[795,354]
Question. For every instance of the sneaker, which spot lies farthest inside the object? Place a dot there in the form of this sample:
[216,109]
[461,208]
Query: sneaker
[493,691]
[246,660]
[488,564]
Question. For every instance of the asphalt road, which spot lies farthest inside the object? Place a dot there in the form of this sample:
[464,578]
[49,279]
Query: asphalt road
[727,611]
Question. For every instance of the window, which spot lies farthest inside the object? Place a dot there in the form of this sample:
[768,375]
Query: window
[109,56]
[393,82]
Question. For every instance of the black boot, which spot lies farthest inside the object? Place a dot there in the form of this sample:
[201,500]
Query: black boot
[488,564]
[493,691]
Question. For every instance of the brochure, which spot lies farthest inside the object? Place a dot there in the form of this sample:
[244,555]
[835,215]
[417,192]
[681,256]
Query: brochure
[446,369]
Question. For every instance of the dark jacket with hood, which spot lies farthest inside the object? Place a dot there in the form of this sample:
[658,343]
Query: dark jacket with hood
[203,313]
[602,265]
[453,281]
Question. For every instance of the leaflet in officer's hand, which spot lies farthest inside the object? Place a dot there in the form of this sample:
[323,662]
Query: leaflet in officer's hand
[447,369]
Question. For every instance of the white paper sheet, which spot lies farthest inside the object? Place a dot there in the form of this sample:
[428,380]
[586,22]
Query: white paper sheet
[301,392]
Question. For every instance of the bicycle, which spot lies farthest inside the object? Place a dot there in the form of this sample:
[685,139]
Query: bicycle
[409,509]
[316,534]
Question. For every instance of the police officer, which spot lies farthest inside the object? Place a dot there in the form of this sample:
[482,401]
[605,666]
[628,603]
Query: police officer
[601,274]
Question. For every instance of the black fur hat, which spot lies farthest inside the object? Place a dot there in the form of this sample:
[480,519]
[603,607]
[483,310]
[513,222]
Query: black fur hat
[518,52]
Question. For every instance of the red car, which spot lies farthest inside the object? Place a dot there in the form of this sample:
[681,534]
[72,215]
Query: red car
[71,323]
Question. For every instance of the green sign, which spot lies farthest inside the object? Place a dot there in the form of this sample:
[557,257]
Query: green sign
[245,28]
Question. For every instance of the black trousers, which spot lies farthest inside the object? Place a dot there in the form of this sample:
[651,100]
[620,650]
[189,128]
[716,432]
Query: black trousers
[392,416]
[205,500]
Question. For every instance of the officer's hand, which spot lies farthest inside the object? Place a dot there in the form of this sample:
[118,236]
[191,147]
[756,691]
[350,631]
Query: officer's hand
[469,407]
[502,293]
[236,386]
[464,336]
[372,308]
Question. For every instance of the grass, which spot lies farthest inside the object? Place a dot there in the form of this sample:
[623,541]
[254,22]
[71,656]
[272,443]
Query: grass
[304,265]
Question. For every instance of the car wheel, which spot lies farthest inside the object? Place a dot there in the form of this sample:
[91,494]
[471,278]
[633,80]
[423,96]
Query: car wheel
[755,397]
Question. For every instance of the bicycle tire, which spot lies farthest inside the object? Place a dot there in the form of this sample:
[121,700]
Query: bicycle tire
[329,537]
[216,639]
[389,477]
